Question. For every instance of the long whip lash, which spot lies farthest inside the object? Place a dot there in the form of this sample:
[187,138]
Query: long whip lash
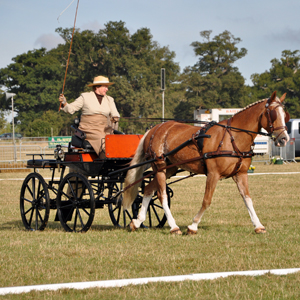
[69,49]
[64,10]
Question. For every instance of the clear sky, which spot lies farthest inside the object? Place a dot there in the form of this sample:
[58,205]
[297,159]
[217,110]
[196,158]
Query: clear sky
[266,27]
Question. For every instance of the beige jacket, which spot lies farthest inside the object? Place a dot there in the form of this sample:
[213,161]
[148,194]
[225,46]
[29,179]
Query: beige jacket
[89,104]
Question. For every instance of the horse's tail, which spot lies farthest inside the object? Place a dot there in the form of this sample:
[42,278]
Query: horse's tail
[134,174]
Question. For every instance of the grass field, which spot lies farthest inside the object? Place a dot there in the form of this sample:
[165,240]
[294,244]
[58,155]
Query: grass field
[225,242]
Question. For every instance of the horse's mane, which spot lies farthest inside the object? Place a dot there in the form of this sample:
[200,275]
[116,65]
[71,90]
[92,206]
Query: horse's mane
[250,105]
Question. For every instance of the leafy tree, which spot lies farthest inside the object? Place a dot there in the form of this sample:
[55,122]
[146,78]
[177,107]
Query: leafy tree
[35,78]
[283,77]
[132,61]
[2,122]
[213,81]
[47,124]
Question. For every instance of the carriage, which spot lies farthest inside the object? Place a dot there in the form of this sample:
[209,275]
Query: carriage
[86,187]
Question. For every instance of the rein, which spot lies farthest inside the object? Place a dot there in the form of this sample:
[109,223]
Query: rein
[208,155]
[240,129]
[271,115]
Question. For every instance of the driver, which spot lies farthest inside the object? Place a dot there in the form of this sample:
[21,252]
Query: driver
[99,113]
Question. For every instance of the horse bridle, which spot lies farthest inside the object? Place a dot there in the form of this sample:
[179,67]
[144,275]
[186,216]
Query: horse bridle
[272,117]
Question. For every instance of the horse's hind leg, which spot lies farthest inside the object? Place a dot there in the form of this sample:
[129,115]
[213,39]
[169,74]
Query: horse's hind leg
[242,183]
[211,183]
[163,197]
[148,193]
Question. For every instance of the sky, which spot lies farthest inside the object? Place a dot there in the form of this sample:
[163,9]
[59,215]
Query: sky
[265,27]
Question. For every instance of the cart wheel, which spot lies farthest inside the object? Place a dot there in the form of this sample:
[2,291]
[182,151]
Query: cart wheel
[75,203]
[34,202]
[118,216]
[155,213]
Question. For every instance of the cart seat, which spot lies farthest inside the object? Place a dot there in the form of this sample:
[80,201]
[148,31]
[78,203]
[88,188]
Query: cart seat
[80,143]
[41,163]
[121,145]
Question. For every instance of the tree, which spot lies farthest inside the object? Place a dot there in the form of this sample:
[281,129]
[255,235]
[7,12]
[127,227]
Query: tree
[213,81]
[283,77]
[3,122]
[132,61]
[47,124]
[35,78]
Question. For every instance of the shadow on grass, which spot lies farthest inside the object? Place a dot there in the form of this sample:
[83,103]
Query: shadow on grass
[11,225]
[56,226]
[52,225]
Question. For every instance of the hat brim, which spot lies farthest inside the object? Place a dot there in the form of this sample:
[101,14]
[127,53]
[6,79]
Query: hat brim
[105,83]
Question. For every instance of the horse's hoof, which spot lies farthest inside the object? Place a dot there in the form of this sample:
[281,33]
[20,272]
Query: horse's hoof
[132,226]
[176,231]
[191,232]
[260,230]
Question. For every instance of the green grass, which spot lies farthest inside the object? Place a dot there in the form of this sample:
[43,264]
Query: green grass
[225,242]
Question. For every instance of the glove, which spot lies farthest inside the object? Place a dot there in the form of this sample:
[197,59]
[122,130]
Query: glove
[115,119]
[62,99]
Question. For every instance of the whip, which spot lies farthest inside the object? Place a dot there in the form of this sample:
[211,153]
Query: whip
[69,50]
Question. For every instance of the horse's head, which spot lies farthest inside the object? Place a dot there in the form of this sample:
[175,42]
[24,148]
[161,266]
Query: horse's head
[274,119]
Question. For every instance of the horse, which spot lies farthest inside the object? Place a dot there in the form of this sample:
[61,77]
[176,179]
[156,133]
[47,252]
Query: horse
[227,153]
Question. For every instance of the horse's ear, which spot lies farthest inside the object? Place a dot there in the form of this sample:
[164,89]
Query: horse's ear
[273,97]
[282,97]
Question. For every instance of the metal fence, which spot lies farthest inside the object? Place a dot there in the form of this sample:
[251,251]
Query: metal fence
[262,150]
[15,156]
[287,153]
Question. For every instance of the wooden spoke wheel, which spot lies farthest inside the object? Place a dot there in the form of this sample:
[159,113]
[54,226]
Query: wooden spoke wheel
[75,203]
[34,202]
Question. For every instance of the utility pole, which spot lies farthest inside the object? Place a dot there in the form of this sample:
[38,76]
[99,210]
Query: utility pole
[163,93]
[11,96]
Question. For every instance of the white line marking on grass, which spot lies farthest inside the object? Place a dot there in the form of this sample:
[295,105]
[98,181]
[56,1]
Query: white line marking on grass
[136,281]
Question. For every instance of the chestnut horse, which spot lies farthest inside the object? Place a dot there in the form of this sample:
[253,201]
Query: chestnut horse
[226,154]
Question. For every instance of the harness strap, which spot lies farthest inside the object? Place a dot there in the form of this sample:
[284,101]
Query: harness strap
[149,152]
[239,163]
[236,153]
[271,120]
[219,153]
[161,169]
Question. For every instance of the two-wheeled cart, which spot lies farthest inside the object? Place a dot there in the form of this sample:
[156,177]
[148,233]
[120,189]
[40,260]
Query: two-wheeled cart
[86,187]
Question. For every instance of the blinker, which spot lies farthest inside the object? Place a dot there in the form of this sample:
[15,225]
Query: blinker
[273,115]
[287,117]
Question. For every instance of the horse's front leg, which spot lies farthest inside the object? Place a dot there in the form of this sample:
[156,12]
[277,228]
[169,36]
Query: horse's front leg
[211,183]
[241,179]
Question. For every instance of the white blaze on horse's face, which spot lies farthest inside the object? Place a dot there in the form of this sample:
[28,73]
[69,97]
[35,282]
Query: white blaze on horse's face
[280,135]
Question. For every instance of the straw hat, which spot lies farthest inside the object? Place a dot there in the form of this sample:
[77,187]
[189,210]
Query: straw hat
[101,80]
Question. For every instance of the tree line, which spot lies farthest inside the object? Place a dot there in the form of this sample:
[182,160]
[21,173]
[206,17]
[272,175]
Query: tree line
[134,62]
